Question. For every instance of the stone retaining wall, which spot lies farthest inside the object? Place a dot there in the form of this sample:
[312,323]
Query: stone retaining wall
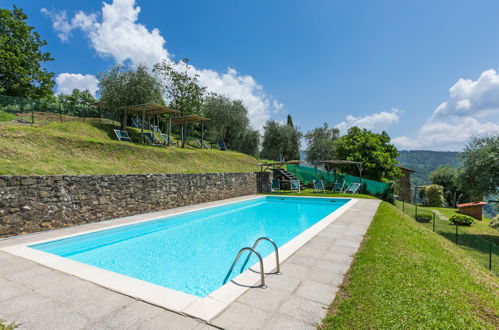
[34,203]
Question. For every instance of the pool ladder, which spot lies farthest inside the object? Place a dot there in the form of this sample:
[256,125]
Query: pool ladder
[253,250]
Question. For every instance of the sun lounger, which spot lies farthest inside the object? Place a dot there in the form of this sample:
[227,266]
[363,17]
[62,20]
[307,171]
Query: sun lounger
[203,145]
[352,188]
[164,137]
[339,186]
[294,185]
[152,139]
[222,146]
[319,186]
[276,185]
[122,135]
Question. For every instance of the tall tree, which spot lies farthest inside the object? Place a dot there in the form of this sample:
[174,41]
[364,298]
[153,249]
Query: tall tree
[447,177]
[294,136]
[181,86]
[377,154]
[21,57]
[229,122]
[123,86]
[479,174]
[290,122]
[280,141]
[228,118]
[320,143]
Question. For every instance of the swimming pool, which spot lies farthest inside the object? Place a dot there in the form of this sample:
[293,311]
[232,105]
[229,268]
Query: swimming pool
[192,252]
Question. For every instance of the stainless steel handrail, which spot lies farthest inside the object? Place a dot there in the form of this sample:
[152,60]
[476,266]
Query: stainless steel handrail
[278,266]
[262,273]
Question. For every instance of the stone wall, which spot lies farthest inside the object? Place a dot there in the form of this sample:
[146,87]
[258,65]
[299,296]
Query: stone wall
[35,203]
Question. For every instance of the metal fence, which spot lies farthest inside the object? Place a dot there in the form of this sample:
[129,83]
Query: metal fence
[60,109]
[480,248]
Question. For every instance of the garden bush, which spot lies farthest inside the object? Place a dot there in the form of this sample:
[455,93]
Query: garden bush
[461,220]
[494,223]
[424,218]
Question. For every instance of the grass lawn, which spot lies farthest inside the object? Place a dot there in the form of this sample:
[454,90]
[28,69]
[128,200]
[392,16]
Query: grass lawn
[479,227]
[87,147]
[407,277]
[474,239]
[310,192]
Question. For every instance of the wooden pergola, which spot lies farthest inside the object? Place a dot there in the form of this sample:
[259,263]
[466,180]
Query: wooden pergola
[190,119]
[277,165]
[150,110]
[334,165]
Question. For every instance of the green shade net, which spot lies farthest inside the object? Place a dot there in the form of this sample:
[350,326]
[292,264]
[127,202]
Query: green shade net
[307,174]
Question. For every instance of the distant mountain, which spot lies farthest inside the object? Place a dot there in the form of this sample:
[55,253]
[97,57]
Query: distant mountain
[425,161]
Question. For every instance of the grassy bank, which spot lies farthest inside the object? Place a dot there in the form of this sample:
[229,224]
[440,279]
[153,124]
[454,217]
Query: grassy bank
[475,240]
[5,116]
[77,147]
[407,277]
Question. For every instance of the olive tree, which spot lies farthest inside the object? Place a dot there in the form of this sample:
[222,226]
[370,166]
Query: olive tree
[124,86]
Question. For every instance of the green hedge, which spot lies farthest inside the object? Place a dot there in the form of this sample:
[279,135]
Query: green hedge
[461,220]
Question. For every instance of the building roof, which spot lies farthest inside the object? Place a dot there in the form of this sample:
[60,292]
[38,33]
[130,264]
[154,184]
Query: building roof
[471,204]
[406,169]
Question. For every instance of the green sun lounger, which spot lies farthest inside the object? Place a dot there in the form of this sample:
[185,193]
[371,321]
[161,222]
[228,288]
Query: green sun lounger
[122,135]
[319,186]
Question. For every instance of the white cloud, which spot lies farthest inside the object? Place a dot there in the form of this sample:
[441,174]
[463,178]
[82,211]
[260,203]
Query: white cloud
[376,122]
[471,98]
[455,121]
[66,82]
[115,33]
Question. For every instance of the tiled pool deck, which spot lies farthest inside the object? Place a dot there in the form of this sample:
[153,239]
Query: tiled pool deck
[38,297]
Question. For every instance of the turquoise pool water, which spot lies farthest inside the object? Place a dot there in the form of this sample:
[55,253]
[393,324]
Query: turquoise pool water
[192,252]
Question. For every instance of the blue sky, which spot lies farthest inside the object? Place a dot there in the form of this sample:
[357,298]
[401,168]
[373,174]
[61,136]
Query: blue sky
[393,65]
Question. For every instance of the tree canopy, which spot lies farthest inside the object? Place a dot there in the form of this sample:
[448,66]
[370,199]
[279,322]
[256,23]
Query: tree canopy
[124,86]
[21,57]
[320,143]
[447,177]
[480,167]
[377,154]
[181,86]
[280,141]
[229,123]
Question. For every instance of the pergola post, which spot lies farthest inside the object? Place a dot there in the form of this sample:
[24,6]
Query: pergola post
[169,128]
[184,135]
[202,135]
[142,128]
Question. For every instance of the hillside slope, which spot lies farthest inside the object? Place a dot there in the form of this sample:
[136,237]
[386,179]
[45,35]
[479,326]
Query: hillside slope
[77,147]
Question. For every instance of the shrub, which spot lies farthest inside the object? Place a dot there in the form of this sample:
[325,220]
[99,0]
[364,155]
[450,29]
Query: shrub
[494,223]
[461,220]
[424,218]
